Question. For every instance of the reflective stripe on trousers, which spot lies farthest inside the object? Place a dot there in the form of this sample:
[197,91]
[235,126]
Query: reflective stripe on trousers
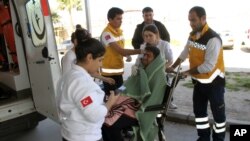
[213,93]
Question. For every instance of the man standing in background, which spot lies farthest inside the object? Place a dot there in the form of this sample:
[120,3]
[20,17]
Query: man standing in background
[148,15]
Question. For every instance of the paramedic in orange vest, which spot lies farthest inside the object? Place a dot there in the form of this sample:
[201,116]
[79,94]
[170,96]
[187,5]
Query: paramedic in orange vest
[204,48]
[112,38]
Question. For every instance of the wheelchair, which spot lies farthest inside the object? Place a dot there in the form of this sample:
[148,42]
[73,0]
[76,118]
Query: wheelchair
[163,108]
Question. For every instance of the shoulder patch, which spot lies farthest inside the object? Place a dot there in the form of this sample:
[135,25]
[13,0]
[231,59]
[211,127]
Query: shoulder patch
[86,101]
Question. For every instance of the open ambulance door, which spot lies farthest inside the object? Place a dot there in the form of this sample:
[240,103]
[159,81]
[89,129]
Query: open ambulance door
[41,54]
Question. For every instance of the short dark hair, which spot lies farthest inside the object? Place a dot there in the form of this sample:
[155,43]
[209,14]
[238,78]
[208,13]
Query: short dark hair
[113,12]
[89,46]
[153,49]
[147,9]
[200,11]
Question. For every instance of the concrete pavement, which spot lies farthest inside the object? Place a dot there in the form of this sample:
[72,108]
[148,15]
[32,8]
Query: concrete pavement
[237,106]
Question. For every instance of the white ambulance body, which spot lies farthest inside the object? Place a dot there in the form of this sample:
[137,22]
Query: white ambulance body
[28,85]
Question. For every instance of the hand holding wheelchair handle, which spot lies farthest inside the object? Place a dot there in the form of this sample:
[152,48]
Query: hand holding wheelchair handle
[184,74]
[172,70]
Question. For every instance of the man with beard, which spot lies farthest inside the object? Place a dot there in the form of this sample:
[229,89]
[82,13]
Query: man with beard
[204,48]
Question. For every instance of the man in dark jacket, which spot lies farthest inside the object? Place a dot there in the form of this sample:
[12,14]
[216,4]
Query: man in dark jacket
[148,14]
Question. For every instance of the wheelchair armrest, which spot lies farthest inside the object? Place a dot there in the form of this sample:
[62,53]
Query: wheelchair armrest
[155,108]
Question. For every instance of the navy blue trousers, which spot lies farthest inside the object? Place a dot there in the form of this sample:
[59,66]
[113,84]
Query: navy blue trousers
[214,94]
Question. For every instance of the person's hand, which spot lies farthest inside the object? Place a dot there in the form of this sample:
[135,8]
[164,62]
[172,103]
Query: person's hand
[129,58]
[184,74]
[112,99]
[142,51]
[111,81]
[170,70]
[134,70]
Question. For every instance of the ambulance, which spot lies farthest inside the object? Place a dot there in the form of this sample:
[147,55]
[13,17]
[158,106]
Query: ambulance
[29,65]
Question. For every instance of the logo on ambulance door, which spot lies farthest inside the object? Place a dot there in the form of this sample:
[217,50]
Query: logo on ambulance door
[36,22]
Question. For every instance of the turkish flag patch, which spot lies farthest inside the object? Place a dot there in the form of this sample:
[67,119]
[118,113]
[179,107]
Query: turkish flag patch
[86,101]
[107,37]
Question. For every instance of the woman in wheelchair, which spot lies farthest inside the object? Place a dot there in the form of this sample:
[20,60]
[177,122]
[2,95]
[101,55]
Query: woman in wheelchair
[145,88]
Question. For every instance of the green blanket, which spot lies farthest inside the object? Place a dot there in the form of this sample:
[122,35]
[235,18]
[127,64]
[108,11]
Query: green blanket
[148,87]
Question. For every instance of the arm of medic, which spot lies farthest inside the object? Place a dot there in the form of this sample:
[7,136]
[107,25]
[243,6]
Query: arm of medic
[127,52]
[122,51]
[95,112]
[211,55]
[115,46]
[109,80]
[91,107]
[109,40]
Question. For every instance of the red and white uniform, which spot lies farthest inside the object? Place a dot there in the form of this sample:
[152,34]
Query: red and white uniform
[81,107]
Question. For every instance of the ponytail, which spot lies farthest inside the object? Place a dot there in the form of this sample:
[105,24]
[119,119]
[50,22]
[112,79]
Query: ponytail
[82,34]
